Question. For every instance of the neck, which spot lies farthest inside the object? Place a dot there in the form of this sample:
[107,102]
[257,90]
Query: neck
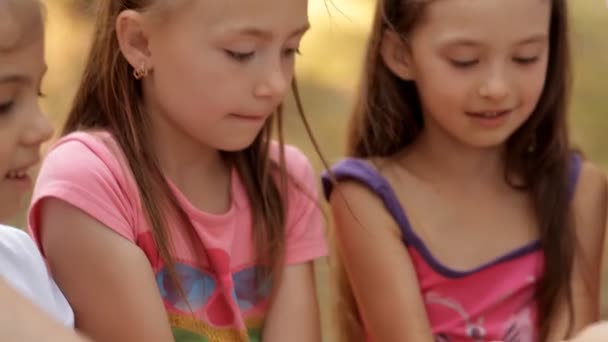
[191,162]
[436,156]
[183,159]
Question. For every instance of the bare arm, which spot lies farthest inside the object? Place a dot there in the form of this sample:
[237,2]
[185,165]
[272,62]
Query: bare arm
[378,266]
[294,313]
[20,320]
[589,209]
[106,278]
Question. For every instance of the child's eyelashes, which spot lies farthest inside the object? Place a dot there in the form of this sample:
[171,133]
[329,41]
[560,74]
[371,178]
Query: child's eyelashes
[246,56]
[6,107]
[464,64]
[292,52]
[239,56]
[526,60]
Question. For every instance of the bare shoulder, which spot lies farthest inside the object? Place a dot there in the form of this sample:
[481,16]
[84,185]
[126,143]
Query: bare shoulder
[355,195]
[354,203]
[591,194]
[589,204]
[368,244]
[592,180]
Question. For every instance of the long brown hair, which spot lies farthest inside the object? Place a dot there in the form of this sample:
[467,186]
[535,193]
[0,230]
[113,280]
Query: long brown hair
[110,98]
[388,117]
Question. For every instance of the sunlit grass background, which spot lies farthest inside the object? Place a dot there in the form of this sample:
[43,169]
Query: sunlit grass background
[328,74]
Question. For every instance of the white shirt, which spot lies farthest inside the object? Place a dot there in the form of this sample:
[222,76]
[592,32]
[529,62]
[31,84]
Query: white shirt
[22,266]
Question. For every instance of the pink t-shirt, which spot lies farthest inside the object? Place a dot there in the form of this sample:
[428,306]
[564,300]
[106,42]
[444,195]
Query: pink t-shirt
[87,171]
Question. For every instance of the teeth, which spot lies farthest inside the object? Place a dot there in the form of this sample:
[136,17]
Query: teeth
[16,174]
[490,114]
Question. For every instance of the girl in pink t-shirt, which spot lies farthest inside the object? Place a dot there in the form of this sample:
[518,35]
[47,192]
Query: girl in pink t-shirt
[462,213]
[166,211]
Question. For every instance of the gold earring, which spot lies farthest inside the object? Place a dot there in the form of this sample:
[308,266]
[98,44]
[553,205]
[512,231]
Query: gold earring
[140,72]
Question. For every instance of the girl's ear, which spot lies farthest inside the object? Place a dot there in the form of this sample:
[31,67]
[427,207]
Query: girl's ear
[396,55]
[133,39]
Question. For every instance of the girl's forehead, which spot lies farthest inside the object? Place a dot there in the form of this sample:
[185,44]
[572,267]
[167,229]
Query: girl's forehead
[20,23]
[9,30]
[234,12]
[511,20]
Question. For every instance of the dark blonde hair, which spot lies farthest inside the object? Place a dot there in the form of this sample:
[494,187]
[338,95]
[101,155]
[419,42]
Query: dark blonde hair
[25,17]
[388,118]
[110,98]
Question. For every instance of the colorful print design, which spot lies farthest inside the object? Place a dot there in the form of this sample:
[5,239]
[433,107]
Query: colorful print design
[519,328]
[213,312]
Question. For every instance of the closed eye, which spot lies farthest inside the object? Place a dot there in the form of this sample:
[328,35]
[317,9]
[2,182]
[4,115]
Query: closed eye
[240,56]
[6,107]
[525,60]
[291,52]
[464,64]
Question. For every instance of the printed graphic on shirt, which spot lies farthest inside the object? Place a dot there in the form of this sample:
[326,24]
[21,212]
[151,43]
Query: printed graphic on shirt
[207,311]
[518,328]
[472,328]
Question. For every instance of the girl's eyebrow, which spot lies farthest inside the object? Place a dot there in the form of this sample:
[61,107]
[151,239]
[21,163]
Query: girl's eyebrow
[265,34]
[13,78]
[19,78]
[475,43]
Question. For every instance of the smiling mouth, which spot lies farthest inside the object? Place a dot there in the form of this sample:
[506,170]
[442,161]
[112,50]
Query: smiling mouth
[16,175]
[250,117]
[20,173]
[489,114]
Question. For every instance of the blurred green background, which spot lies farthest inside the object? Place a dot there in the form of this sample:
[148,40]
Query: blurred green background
[328,75]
